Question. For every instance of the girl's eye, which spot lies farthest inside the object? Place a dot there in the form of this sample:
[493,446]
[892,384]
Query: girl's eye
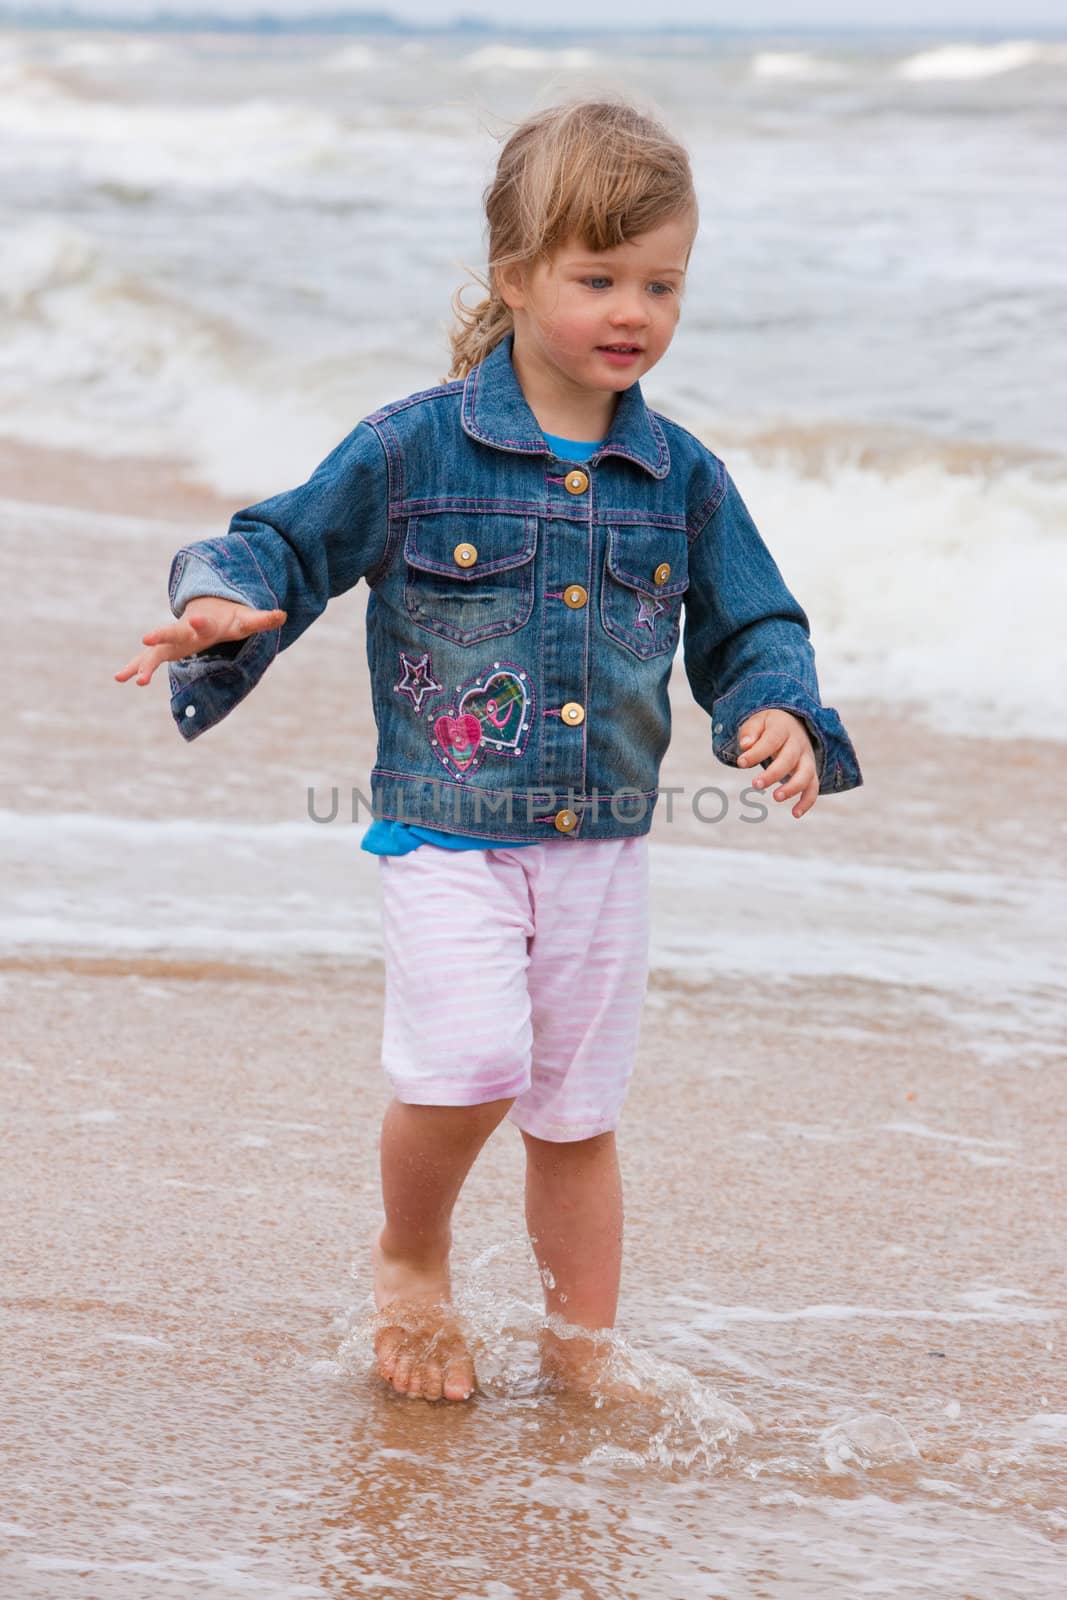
[595,282]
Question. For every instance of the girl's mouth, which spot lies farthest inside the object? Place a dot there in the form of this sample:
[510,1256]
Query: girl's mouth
[620,355]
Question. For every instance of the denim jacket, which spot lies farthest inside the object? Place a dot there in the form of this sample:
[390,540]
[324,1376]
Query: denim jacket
[524,613]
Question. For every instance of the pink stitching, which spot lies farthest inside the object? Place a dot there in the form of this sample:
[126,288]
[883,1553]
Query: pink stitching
[456,502]
[420,667]
[410,777]
[481,744]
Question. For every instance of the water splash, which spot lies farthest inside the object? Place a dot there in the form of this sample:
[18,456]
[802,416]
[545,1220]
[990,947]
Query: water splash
[639,1410]
[869,1440]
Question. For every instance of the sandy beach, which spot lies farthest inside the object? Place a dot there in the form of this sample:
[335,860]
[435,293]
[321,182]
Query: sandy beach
[843,1277]
[843,1283]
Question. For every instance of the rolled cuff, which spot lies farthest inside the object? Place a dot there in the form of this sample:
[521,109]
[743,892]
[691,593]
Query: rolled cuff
[193,576]
[207,685]
[836,763]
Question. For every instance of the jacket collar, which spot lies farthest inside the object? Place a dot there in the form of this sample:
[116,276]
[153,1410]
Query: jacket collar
[495,411]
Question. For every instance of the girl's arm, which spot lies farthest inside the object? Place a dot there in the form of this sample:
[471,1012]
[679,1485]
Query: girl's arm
[293,552]
[747,645]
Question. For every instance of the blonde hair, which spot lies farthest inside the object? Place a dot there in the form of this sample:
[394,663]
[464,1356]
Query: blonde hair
[603,171]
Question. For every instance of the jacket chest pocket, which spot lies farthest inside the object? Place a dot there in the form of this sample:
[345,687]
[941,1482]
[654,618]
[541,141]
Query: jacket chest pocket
[470,575]
[646,572]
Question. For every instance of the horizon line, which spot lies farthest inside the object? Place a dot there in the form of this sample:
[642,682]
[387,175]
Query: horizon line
[163,18]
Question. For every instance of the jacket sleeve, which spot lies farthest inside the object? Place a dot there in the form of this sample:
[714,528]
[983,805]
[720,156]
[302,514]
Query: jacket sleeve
[747,644]
[296,551]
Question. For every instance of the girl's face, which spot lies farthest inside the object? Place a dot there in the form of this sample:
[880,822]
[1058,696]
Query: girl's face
[570,311]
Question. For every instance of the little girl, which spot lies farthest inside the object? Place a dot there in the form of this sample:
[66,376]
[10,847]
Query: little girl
[531,534]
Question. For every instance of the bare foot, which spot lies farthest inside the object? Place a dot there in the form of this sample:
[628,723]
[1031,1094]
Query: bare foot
[418,1341]
[583,1365]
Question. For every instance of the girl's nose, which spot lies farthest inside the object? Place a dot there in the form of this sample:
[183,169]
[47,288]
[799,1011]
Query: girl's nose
[629,314]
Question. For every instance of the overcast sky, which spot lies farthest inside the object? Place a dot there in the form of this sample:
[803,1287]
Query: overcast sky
[955,14]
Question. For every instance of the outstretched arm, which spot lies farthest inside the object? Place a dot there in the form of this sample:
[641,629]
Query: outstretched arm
[269,576]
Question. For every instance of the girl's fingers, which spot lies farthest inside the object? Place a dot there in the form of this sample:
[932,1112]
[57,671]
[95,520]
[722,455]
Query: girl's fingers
[240,624]
[807,799]
[143,673]
[785,764]
[171,633]
[264,621]
[799,781]
[770,743]
[198,635]
[141,666]
[795,778]
[789,769]
[144,665]
[193,632]
[755,753]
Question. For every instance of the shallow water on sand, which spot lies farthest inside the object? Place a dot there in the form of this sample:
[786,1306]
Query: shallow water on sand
[841,1300]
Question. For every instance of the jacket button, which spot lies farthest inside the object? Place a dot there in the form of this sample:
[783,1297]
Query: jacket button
[465,555]
[573,713]
[662,573]
[575,597]
[576,482]
[566,821]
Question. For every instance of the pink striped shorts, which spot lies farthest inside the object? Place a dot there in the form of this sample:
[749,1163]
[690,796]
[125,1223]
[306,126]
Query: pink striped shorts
[517,973]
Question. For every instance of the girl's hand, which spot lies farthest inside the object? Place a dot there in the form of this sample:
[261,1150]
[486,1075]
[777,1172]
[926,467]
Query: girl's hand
[204,622]
[778,733]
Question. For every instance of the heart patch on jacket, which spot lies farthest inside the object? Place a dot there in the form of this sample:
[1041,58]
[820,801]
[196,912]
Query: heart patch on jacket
[491,713]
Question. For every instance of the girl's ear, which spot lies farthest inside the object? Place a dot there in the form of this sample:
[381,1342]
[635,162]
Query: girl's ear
[510,282]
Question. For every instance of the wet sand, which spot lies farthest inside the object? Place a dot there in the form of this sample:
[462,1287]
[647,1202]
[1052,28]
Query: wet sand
[843,1281]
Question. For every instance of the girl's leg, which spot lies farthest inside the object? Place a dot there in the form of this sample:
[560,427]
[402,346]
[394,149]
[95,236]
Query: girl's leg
[426,1154]
[587,979]
[456,1040]
[574,1215]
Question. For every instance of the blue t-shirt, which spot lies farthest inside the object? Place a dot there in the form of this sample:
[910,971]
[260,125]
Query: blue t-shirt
[385,837]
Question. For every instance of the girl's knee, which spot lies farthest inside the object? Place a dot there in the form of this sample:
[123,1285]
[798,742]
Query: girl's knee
[589,1145]
[483,1114]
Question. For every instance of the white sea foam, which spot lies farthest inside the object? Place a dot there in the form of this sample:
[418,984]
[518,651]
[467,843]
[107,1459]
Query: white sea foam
[143,1341]
[254,141]
[516,58]
[794,64]
[43,256]
[353,58]
[941,587]
[933,931]
[108,53]
[1045,1428]
[969,61]
[715,1319]
[224,1573]
[918,1130]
